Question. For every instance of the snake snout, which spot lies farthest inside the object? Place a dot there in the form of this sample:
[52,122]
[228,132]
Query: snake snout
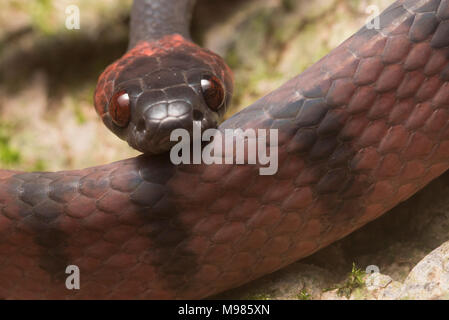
[157,113]
[153,130]
[168,116]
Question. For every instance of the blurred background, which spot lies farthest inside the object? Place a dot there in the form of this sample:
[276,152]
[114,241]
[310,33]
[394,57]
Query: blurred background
[48,73]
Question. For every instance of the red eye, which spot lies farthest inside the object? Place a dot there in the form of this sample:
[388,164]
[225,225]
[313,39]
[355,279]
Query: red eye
[119,108]
[213,92]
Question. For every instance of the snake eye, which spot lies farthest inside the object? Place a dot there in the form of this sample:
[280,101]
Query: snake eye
[213,92]
[119,108]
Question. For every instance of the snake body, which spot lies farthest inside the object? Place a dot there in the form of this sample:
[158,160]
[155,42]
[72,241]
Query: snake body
[360,131]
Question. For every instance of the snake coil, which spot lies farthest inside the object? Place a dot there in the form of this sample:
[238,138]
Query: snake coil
[363,129]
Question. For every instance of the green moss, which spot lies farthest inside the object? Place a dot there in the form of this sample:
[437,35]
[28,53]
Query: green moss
[79,100]
[41,12]
[39,165]
[355,280]
[8,154]
[259,296]
[303,295]
[79,114]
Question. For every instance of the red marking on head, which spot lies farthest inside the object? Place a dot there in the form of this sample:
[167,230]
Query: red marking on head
[105,86]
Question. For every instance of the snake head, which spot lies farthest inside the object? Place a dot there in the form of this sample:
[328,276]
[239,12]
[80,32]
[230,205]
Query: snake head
[160,86]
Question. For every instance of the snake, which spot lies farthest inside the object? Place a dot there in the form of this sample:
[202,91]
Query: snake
[360,131]
[164,81]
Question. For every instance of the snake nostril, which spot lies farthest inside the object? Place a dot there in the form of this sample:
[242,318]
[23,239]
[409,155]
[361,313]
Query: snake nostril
[197,115]
[141,125]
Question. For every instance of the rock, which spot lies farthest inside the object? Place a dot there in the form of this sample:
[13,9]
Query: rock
[429,279]
[377,281]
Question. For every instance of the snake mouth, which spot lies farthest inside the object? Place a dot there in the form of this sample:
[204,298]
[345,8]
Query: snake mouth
[153,131]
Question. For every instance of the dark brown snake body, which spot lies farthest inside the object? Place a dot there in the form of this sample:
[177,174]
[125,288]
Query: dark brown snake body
[360,131]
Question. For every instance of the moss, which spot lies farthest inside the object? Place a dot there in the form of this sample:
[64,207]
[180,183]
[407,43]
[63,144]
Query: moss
[8,154]
[79,114]
[41,12]
[303,295]
[259,296]
[355,280]
[39,165]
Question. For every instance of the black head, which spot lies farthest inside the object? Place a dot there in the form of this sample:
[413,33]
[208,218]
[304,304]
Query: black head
[153,92]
